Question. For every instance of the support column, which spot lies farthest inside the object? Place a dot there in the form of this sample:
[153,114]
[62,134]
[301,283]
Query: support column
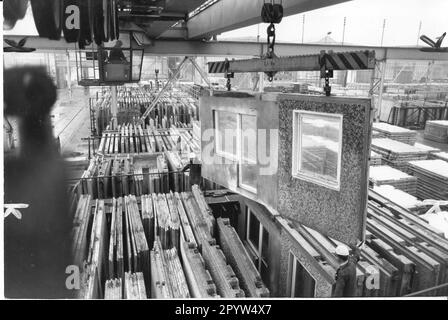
[381,88]
[69,75]
[114,106]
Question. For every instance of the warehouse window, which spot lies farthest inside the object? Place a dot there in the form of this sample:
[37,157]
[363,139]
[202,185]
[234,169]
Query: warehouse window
[226,124]
[258,238]
[300,282]
[317,147]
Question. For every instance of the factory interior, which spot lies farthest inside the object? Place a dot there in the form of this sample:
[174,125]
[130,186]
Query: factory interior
[147,157]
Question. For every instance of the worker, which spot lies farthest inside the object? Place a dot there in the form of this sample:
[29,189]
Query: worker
[116,53]
[345,285]
[195,170]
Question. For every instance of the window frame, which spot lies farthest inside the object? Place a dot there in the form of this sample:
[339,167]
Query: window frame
[240,154]
[238,158]
[257,252]
[297,148]
[292,276]
[221,152]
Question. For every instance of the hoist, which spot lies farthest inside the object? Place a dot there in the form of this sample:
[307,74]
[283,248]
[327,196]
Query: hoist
[270,63]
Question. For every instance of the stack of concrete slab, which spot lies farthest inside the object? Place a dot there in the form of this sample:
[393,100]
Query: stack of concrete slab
[226,281]
[429,149]
[402,251]
[135,139]
[375,159]
[176,110]
[437,130]
[137,248]
[440,155]
[116,256]
[95,270]
[80,229]
[167,276]
[385,175]
[199,280]
[240,261]
[417,251]
[432,178]
[179,180]
[111,236]
[385,130]
[134,286]
[397,154]
[114,290]
[168,223]
[120,176]
[403,199]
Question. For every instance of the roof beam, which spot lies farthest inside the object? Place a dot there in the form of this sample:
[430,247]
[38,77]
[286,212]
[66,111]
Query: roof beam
[244,49]
[226,15]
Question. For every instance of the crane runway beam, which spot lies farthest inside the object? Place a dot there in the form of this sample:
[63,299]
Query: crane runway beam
[183,48]
[357,60]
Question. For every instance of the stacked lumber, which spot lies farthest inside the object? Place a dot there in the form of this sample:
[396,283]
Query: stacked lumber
[375,159]
[432,177]
[114,290]
[385,130]
[385,175]
[440,155]
[397,154]
[134,286]
[240,261]
[437,130]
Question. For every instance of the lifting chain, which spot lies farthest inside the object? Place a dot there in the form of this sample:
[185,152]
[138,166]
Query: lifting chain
[271,40]
[325,73]
[229,75]
[271,13]
[228,84]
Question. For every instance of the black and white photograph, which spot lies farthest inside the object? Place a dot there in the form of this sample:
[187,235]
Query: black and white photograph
[234,157]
